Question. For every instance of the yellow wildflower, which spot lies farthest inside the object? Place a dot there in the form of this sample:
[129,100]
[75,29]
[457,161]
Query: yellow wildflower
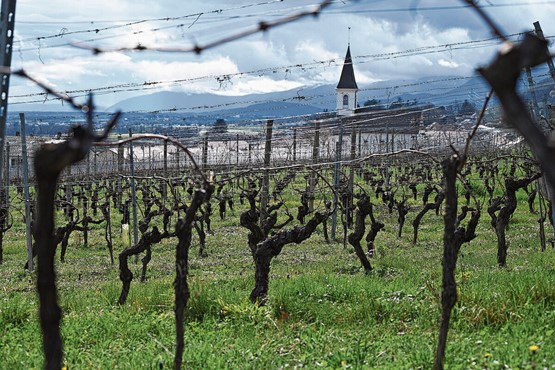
[487,355]
[343,363]
[533,348]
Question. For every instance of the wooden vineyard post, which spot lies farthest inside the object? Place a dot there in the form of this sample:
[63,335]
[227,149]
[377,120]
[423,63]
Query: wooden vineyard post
[360,143]
[95,163]
[351,174]
[204,152]
[5,194]
[315,158]
[121,158]
[337,178]
[88,168]
[294,145]
[133,190]
[25,165]
[266,178]
[237,150]
[7,173]
[164,183]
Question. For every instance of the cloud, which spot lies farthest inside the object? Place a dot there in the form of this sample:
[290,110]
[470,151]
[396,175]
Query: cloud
[159,70]
[448,63]
[257,86]
[390,40]
[315,50]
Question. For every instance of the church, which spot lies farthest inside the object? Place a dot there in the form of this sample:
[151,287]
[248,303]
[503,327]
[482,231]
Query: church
[368,119]
[347,88]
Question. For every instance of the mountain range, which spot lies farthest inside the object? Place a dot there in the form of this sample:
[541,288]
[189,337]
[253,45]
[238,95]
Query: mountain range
[439,91]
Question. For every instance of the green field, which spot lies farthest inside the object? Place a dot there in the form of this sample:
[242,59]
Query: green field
[322,310]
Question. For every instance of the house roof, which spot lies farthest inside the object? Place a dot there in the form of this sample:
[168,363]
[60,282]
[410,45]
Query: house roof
[347,79]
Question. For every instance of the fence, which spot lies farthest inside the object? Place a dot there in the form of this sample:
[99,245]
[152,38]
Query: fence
[240,150]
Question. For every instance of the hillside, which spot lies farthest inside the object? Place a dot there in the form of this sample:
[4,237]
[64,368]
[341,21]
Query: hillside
[439,91]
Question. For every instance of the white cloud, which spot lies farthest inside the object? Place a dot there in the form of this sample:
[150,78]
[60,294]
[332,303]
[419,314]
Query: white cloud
[159,70]
[448,63]
[257,86]
[315,50]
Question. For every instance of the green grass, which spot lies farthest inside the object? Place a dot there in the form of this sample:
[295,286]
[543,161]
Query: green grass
[322,311]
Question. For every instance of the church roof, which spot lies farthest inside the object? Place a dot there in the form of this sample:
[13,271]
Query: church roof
[347,80]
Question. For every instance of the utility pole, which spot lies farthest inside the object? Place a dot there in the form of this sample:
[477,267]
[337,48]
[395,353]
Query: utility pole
[7,20]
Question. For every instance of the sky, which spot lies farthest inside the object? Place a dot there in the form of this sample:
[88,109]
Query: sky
[390,41]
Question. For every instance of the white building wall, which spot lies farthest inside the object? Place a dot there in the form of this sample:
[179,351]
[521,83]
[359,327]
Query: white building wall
[349,108]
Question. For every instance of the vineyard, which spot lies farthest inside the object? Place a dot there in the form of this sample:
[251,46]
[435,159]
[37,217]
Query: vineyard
[332,300]
[354,239]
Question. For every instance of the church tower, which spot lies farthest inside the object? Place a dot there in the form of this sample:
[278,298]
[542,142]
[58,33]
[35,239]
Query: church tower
[347,88]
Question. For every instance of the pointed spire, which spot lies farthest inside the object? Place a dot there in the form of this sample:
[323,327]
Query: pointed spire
[347,79]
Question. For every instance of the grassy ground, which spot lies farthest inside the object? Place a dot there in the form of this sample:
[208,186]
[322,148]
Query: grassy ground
[323,311]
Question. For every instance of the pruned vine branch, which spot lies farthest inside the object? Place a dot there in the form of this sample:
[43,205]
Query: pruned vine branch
[502,74]
[50,161]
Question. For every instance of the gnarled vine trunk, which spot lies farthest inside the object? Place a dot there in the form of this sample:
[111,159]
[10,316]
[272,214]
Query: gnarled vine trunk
[364,208]
[453,238]
[183,231]
[272,246]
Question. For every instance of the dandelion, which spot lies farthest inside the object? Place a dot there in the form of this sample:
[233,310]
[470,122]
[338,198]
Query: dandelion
[533,348]
[343,363]
[487,355]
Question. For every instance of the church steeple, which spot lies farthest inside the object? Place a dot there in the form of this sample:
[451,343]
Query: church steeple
[347,79]
[347,88]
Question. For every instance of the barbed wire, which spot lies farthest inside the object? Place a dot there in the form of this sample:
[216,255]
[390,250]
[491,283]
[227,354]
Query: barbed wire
[448,7]
[129,23]
[262,26]
[64,32]
[148,85]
